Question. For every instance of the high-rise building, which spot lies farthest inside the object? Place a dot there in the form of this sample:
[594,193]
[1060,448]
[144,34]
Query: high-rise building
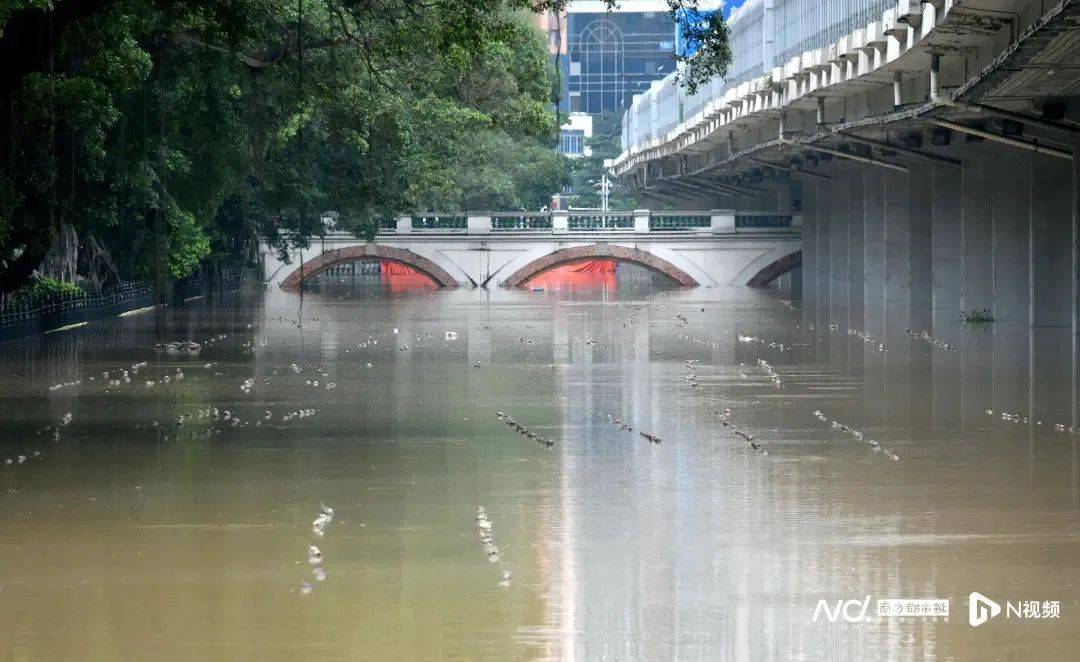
[613,55]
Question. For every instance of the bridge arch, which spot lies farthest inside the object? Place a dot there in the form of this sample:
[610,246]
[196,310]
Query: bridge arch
[324,261]
[775,269]
[591,251]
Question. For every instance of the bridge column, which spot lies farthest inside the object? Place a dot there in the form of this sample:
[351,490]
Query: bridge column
[560,222]
[976,245]
[478,224]
[810,254]
[837,208]
[874,249]
[722,221]
[856,249]
[1052,302]
[1012,230]
[641,221]
[945,248]
[824,270]
[920,245]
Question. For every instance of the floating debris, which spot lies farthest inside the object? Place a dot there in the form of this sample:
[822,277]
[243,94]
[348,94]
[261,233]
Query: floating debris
[181,346]
[858,435]
[935,342]
[773,376]
[517,427]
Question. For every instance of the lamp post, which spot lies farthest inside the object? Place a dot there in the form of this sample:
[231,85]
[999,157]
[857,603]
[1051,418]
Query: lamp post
[604,186]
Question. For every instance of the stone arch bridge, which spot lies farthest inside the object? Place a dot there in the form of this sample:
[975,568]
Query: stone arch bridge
[507,250]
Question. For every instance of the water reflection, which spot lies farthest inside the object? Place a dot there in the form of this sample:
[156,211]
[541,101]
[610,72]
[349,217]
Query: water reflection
[131,535]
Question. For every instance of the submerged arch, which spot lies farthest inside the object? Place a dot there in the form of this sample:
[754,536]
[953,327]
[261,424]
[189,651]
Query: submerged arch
[598,251]
[324,261]
[775,269]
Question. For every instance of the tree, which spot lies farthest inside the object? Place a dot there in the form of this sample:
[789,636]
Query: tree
[176,131]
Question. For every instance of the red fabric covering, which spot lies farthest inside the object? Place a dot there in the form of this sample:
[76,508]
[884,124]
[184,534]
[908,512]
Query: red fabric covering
[396,269]
[594,266]
[587,274]
[402,278]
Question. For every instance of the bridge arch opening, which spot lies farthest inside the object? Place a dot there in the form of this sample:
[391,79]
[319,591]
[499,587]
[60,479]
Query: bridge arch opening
[393,262]
[597,257]
[775,269]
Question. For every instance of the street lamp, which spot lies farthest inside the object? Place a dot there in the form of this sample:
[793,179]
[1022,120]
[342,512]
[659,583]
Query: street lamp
[604,186]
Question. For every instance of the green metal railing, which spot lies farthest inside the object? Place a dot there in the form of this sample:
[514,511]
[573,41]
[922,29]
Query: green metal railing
[440,222]
[763,220]
[679,222]
[520,222]
[610,221]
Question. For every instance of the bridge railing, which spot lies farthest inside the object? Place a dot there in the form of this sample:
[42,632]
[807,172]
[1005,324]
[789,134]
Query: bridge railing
[439,221]
[716,221]
[764,220]
[577,222]
[680,222]
[521,222]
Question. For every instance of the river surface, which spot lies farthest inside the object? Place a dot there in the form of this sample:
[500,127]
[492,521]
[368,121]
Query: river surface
[125,536]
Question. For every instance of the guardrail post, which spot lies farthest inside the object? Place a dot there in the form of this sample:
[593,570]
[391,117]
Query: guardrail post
[478,225]
[641,220]
[404,224]
[560,222]
[723,221]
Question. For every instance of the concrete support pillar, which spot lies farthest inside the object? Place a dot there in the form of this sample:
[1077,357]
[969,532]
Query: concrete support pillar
[976,234]
[796,283]
[897,237]
[824,273]
[920,245]
[722,221]
[856,248]
[560,221]
[839,192]
[478,224]
[945,243]
[641,221]
[874,235]
[1052,304]
[946,389]
[1076,284]
[1012,229]
[810,254]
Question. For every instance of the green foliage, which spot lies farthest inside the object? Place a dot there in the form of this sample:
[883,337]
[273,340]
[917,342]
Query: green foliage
[209,113]
[46,288]
[251,118]
[713,55]
[983,316]
[187,243]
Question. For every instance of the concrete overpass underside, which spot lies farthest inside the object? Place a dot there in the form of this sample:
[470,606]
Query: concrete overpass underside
[945,179]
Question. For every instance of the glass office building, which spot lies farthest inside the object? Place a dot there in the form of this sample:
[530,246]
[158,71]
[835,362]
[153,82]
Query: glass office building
[612,56]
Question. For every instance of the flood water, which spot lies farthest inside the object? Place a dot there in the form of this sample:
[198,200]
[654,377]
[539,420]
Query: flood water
[125,536]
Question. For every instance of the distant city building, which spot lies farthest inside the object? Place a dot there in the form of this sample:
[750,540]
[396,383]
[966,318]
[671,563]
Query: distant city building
[607,56]
[573,134]
[615,55]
